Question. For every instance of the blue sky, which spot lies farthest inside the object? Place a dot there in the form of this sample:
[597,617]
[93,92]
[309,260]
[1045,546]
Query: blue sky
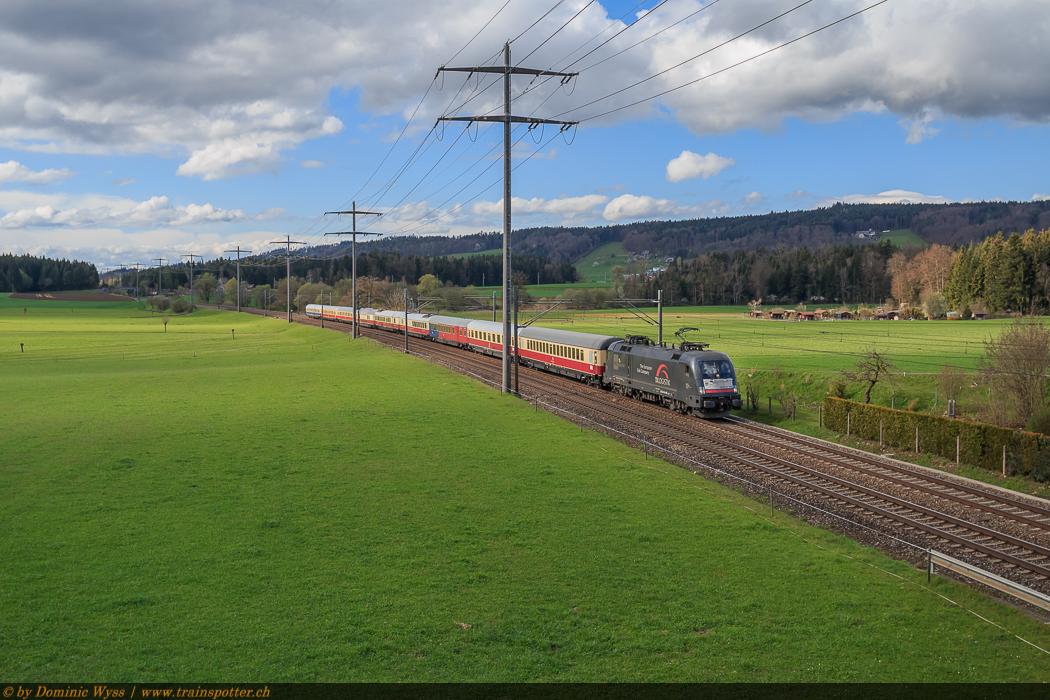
[131,131]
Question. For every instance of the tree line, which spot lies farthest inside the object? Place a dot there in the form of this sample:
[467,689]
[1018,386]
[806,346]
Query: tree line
[26,273]
[946,224]
[475,270]
[847,274]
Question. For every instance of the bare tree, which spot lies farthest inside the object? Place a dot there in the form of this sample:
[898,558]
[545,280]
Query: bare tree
[932,267]
[951,382]
[1016,367]
[872,368]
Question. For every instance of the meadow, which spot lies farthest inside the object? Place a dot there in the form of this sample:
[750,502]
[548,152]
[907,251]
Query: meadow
[240,499]
[596,265]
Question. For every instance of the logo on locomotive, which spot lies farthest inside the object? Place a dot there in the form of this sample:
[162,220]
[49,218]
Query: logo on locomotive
[665,379]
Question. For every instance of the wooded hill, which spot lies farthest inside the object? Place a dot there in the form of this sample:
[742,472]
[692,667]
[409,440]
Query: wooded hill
[25,273]
[947,224]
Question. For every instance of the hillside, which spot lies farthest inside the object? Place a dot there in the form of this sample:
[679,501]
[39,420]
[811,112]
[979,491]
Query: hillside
[836,225]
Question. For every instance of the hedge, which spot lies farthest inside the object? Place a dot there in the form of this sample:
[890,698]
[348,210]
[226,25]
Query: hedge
[1027,454]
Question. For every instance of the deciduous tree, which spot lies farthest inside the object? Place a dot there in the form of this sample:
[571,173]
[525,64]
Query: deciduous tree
[1016,367]
[872,368]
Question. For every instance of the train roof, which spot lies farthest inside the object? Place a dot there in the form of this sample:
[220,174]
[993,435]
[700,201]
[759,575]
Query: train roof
[550,335]
[449,320]
[664,352]
[574,338]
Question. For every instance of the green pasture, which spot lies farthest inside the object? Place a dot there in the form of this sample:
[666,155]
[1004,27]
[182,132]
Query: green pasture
[280,504]
[904,237]
[606,257]
[459,256]
[806,358]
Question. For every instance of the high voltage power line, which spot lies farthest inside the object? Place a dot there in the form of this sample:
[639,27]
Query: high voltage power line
[427,144]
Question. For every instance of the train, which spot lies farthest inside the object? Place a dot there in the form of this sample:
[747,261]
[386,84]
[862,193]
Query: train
[687,378]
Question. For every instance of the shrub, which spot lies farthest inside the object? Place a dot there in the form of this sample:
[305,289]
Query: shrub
[1039,422]
[180,306]
[981,444]
[160,303]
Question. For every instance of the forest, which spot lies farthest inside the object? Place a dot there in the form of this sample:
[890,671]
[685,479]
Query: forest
[25,273]
[946,224]
[478,270]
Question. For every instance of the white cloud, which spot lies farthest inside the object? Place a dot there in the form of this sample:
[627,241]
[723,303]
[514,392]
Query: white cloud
[565,207]
[13,171]
[919,129]
[113,246]
[690,165]
[229,85]
[312,164]
[123,182]
[894,197]
[629,206]
[97,211]
[753,198]
[1040,197]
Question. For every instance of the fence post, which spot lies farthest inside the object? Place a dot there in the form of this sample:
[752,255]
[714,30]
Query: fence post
[916,439]
[770,406]
[958,444]
[847,423]
[1004,460]
[880,433]
[820,416]
[929,564]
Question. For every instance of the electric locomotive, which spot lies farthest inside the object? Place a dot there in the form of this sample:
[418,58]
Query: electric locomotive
[688,378]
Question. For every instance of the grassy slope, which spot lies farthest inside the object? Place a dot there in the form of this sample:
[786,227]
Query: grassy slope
[904,237]
[290,506]
[607,256]
[494,251]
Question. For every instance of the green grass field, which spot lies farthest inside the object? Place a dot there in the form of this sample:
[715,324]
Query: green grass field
[903,237]
[606,257]
[285,505]
[459,256]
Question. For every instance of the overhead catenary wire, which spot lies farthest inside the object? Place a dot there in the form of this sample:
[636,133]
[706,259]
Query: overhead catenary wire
[475,94]
[477,91]
[690,59]
[711,75]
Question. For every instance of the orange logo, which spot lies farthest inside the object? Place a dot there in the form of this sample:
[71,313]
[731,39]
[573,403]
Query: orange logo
[662,368]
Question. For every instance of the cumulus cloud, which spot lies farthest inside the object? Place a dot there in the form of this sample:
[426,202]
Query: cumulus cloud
[13,171]
[125,247]
[629,206]
[565,207]
[1040,197]
[227,85]
[753,198]
[919,129]
[691,165]
[97,211]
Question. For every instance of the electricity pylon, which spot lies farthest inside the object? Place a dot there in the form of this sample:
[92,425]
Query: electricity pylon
[507,70]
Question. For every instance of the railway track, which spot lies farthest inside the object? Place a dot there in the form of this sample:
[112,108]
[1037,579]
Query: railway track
[901,508]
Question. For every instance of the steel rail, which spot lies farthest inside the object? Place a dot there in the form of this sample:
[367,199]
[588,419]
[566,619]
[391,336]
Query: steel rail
[752,427]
